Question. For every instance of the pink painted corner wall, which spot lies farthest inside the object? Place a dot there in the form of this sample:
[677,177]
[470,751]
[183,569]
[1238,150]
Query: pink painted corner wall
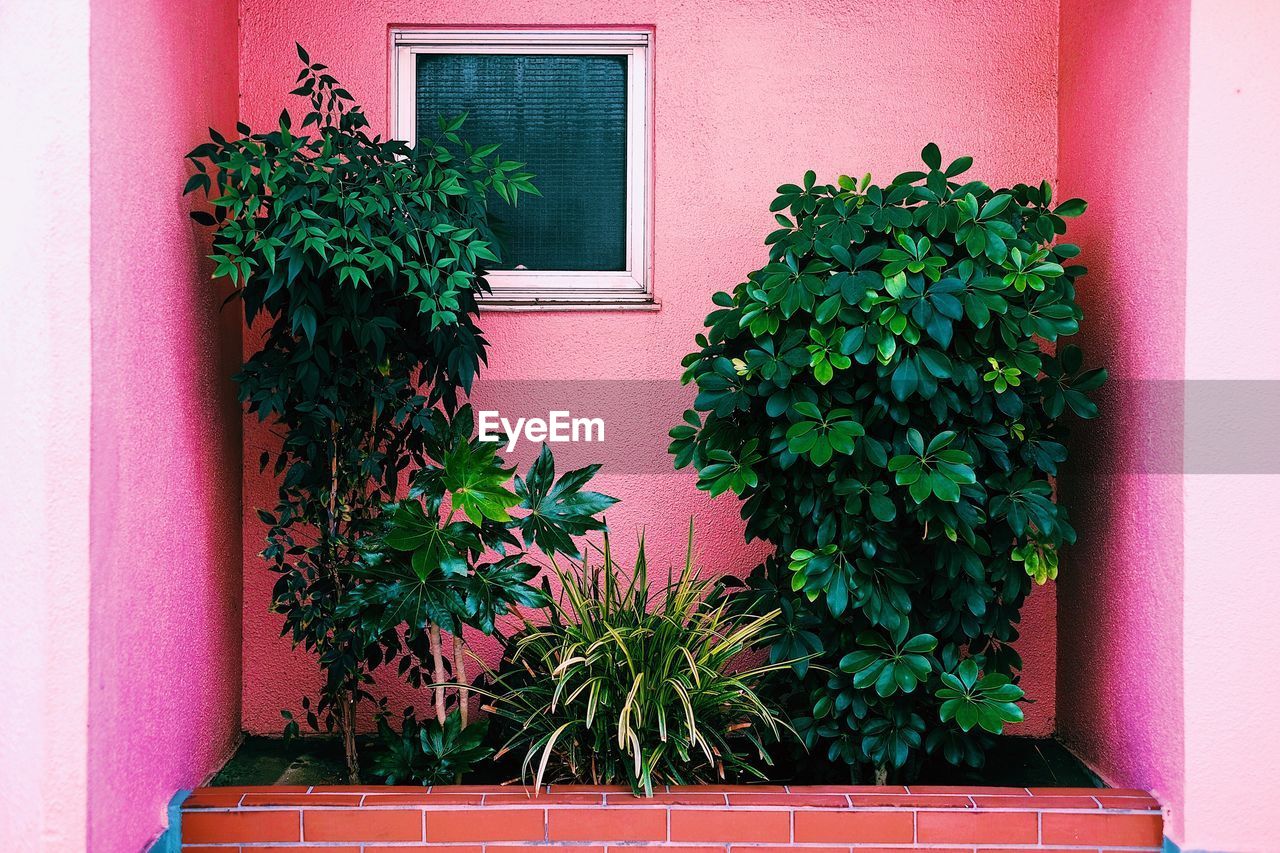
[1232,587]
[748,95]
[44,426]
[1169,113]
[1123,83]
[164,630]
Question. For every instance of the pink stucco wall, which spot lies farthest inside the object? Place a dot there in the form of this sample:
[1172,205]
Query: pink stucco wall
[44,426]
[1123,82]
[747,96]
[1169,112]
[1232,593]
[164,633]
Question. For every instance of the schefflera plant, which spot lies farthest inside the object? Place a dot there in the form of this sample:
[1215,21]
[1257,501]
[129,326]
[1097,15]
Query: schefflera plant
[887,396]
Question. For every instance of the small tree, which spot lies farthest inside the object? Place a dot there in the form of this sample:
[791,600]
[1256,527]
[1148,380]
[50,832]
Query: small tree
[449,557]
[365,259]
[881,396]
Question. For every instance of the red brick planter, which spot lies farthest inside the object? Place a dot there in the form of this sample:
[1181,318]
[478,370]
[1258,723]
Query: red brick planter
[754,819]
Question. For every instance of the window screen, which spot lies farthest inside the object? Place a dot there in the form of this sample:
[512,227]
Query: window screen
[566,117]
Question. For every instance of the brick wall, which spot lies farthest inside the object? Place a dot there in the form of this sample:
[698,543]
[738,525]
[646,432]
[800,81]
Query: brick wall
[754,819]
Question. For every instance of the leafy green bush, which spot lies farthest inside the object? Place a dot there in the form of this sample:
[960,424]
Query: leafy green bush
[429,752]
[884,396]
[364,258]
[631,686]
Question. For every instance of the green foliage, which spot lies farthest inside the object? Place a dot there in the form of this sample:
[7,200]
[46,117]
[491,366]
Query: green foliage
[356,248]
[632,686]
[558,509]
[890,666]
[448,558]
[361,261]
[987,701]
[449,555]
[426,752]
[886,397]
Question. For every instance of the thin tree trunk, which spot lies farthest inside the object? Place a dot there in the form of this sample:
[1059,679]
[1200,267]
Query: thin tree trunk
[460,674]
[349,738]
[437,657]
[347,711]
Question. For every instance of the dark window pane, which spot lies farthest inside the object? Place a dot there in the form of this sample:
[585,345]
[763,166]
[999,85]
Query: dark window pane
[566,117]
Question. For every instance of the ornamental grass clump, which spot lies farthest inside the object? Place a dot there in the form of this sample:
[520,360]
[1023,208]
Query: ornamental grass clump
[628,685]
[887,396]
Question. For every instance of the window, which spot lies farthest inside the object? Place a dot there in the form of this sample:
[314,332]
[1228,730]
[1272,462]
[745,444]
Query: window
[573,105]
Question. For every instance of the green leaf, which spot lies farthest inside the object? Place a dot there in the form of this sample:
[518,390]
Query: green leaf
[558,509]
[435,548]
[882,508]
[197,181]
[921,489]
[994,206]
[857,661]
[940,441]
[477,482]
[921,644]
[915,441]
[967,716]
[1071,207]
[931,156]
[905,379]
[944,488]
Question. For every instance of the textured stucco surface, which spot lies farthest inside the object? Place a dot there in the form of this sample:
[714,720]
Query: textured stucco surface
[747,96]
[44,425]
[1232,591]
[124,679]
[1122,146]
[164,633]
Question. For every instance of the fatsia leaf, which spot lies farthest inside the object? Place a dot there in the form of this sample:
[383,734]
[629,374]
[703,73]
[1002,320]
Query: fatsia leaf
[496,588]
[558,509]
[434,547]
[477,482]
[392,593]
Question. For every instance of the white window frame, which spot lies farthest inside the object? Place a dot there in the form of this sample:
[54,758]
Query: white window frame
[534,289]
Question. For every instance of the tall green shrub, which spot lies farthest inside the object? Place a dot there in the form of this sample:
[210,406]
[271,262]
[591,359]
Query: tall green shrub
[364,259]
[886,397]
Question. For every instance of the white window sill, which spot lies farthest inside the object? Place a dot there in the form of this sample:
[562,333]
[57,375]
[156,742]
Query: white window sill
[497,304]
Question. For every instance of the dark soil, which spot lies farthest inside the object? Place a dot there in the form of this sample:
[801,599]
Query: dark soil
[1013,761]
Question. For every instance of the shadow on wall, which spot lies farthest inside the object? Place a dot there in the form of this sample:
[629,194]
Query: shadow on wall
[1122,130]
